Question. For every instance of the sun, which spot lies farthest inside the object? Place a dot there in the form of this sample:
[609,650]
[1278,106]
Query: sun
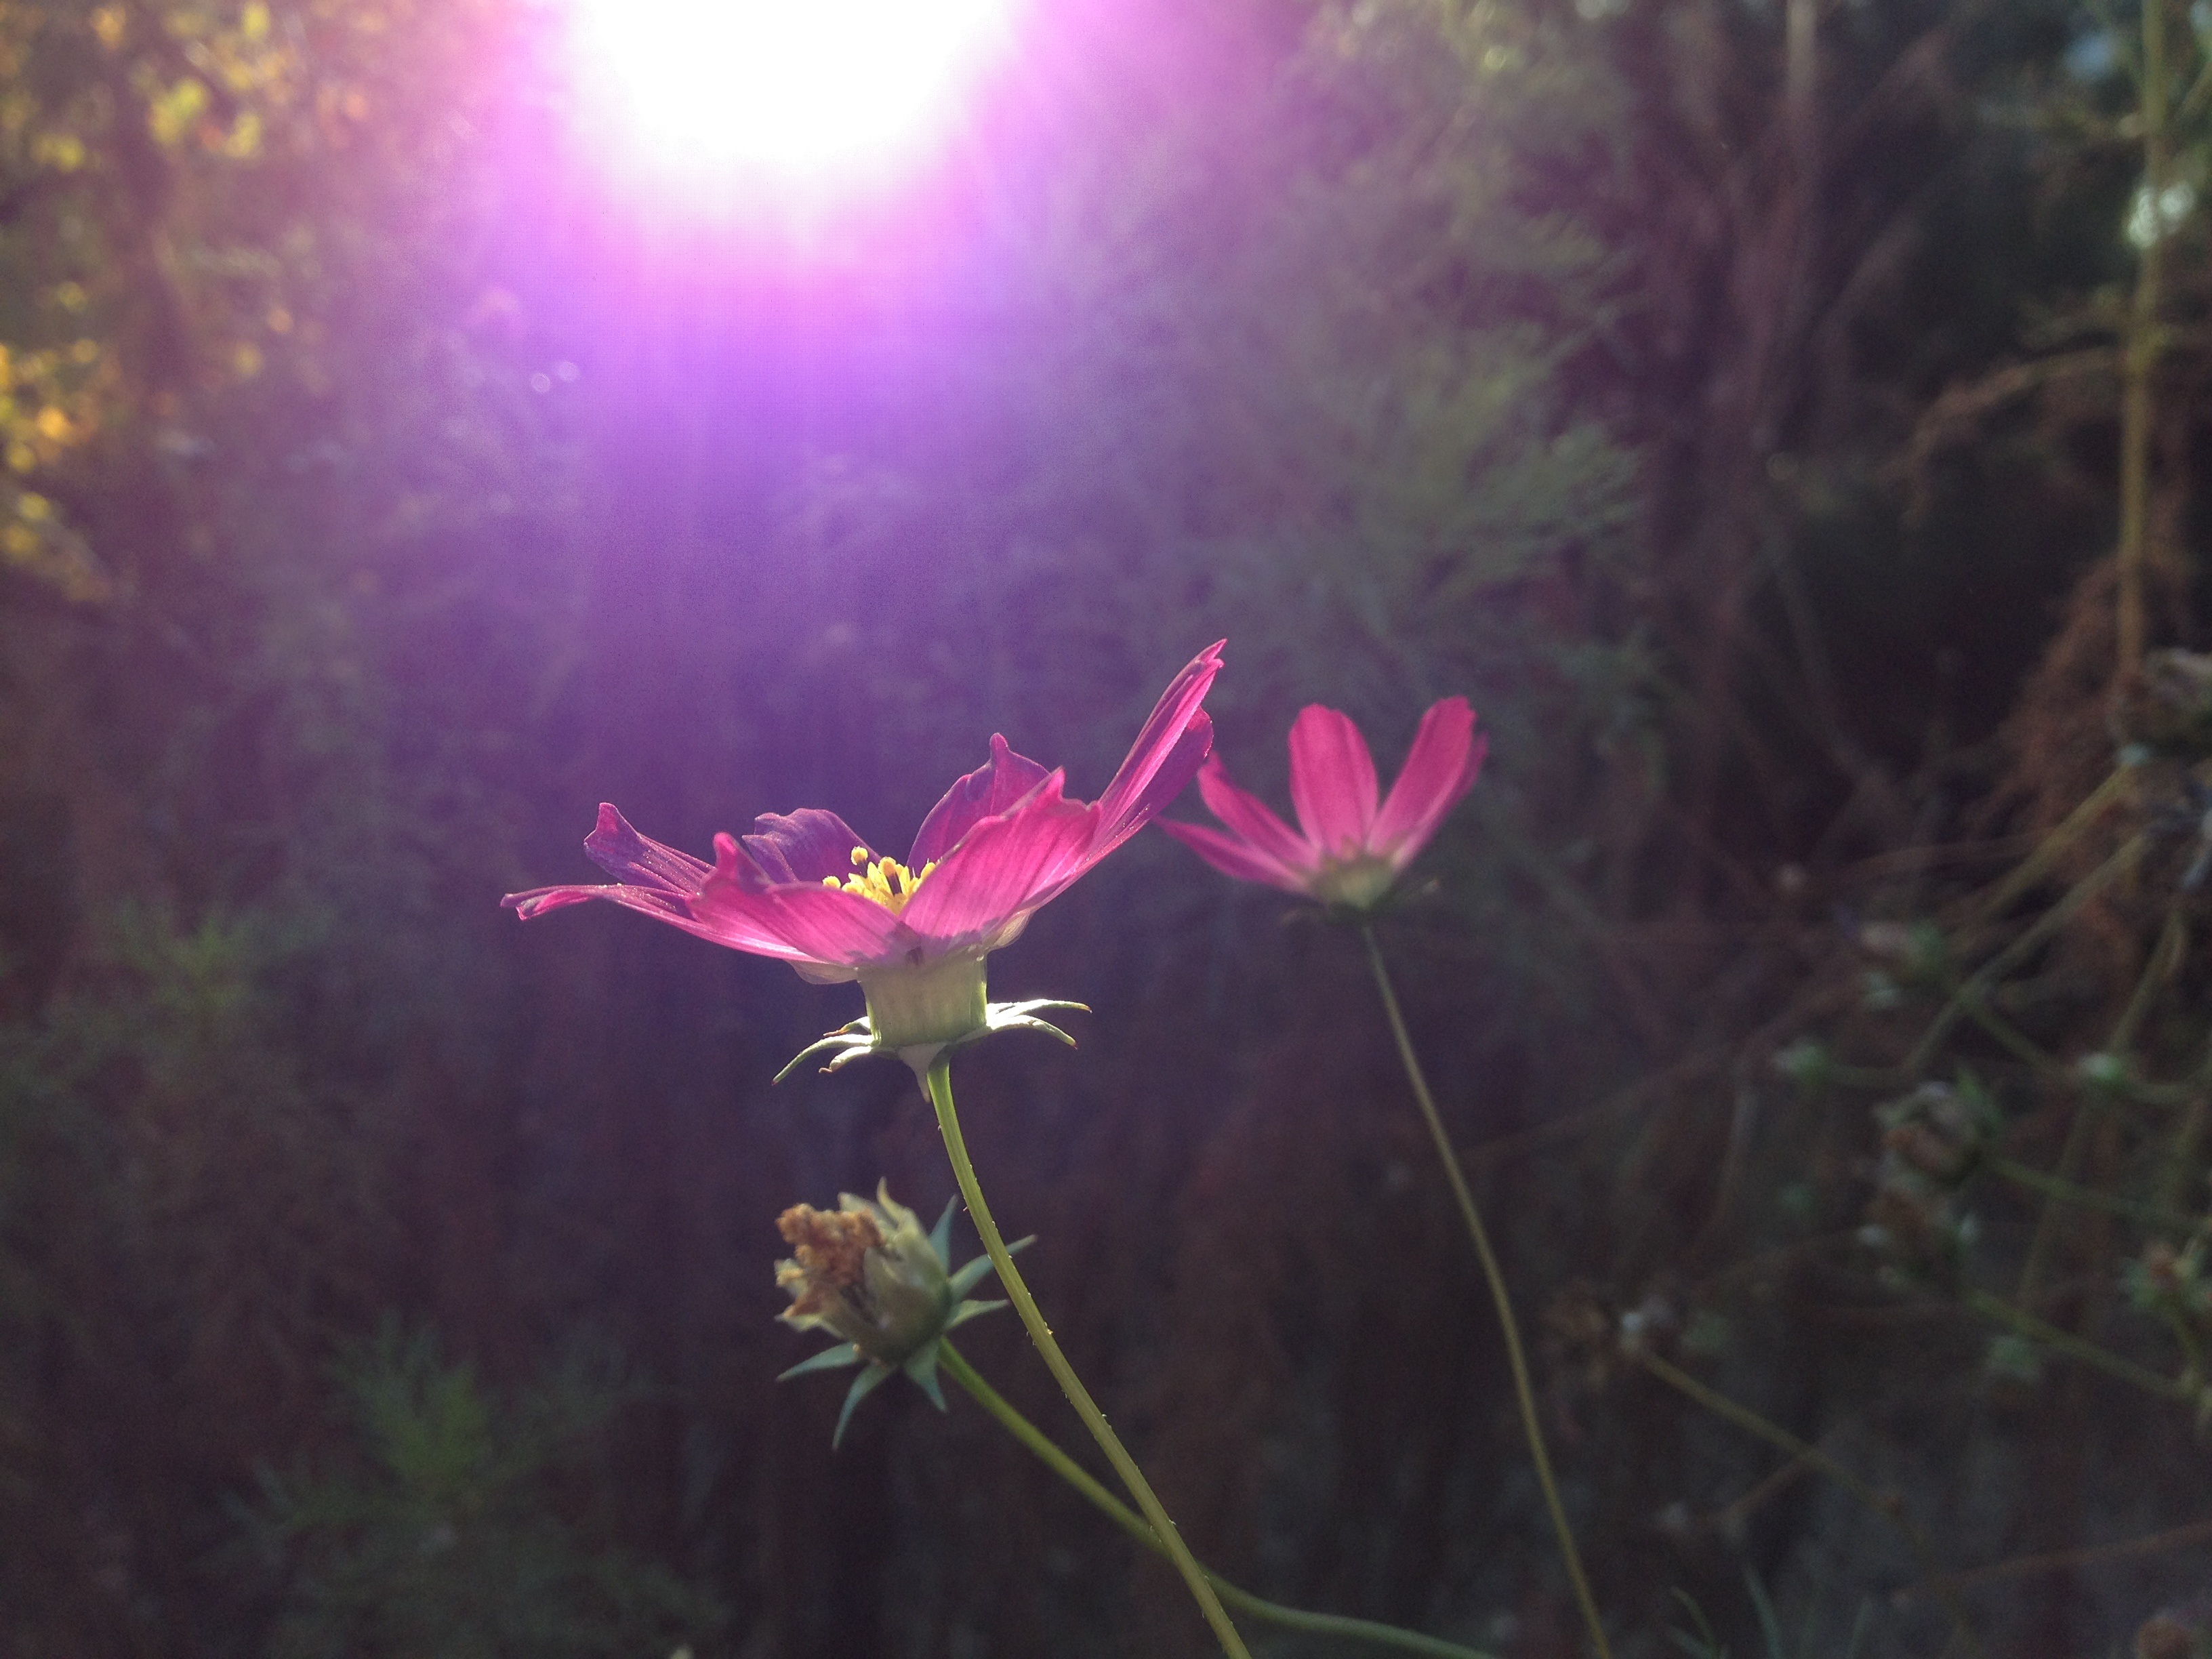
[786,95]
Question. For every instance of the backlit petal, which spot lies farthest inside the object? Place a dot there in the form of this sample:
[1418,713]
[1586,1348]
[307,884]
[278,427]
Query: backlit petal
[1175,772]
[797,923]
[1247,815]
[732,929]
[1005,867]
[622,852]
[1130,798]
[1439,770]
[1236,858]
[804,845]
[1331,780]
[991,789]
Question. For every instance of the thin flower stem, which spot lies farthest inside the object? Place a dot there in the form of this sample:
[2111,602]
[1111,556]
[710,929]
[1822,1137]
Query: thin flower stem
[2045,926]
[939,1083]
[2146,1215]
[2078,1347]
[954,1365]
[2143,342]
[2049,850]
[1523,1391]
[1882,1503]
[2164,959]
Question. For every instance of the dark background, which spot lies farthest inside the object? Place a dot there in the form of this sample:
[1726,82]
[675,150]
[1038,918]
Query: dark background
[380,1276]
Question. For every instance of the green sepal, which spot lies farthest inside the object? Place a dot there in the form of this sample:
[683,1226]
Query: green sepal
[849,1042]
[1401,894]
[968,1310]
[857,1040]
[975,1273]
[829,1360]
[1020,1017]
[941,1235]
[862,1385]
[921,1366]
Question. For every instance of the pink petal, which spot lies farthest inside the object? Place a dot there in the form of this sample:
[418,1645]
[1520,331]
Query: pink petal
[991,789]
[1175,772]
[1439,770]
[1248,816]
[804,846]
[1130,799]
[674,909]
[1005,867]
[806,922]
[538,900]
[1236,858]
[621,850]
[1332,780]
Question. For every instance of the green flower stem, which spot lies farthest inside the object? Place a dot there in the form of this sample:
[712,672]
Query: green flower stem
[1997,967]
[2141,345]
[2164,959]
[2146,1215]
[2053,846]
[1882,1503]
[2026,1324]
[952,1363]
[938,1081]
[1523,1391]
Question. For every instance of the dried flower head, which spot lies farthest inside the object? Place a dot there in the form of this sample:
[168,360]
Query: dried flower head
[867,1273]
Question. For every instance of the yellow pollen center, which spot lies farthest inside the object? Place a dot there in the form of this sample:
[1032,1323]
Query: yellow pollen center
[886,881]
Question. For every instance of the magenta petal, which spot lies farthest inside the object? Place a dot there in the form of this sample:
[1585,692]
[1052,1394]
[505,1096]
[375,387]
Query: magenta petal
[621,850]
[1236,858]
[538,900]
[1006,868]
[1332,780]
[805,846]
[1248,816]
[993,788]
[674,909]
[1184,760]
[799,923]
[1439,770]
[1123,808]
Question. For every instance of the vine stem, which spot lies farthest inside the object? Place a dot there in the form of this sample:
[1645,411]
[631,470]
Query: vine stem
[956,1366]
[937,1081]
[1523,1391]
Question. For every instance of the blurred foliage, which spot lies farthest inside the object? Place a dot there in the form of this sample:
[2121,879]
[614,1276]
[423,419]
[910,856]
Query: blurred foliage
[450,1540]
[1729,397]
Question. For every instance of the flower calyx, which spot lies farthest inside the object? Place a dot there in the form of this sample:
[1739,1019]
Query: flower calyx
[867,1272]
[868,1035]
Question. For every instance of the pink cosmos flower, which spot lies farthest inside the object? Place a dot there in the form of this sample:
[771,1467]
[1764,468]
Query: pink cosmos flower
[806,889]
[1350,850]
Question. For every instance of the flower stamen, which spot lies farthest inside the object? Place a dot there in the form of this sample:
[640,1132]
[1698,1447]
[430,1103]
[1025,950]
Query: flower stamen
[885,881]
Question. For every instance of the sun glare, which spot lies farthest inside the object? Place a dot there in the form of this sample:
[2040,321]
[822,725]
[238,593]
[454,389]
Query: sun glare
[784,94]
